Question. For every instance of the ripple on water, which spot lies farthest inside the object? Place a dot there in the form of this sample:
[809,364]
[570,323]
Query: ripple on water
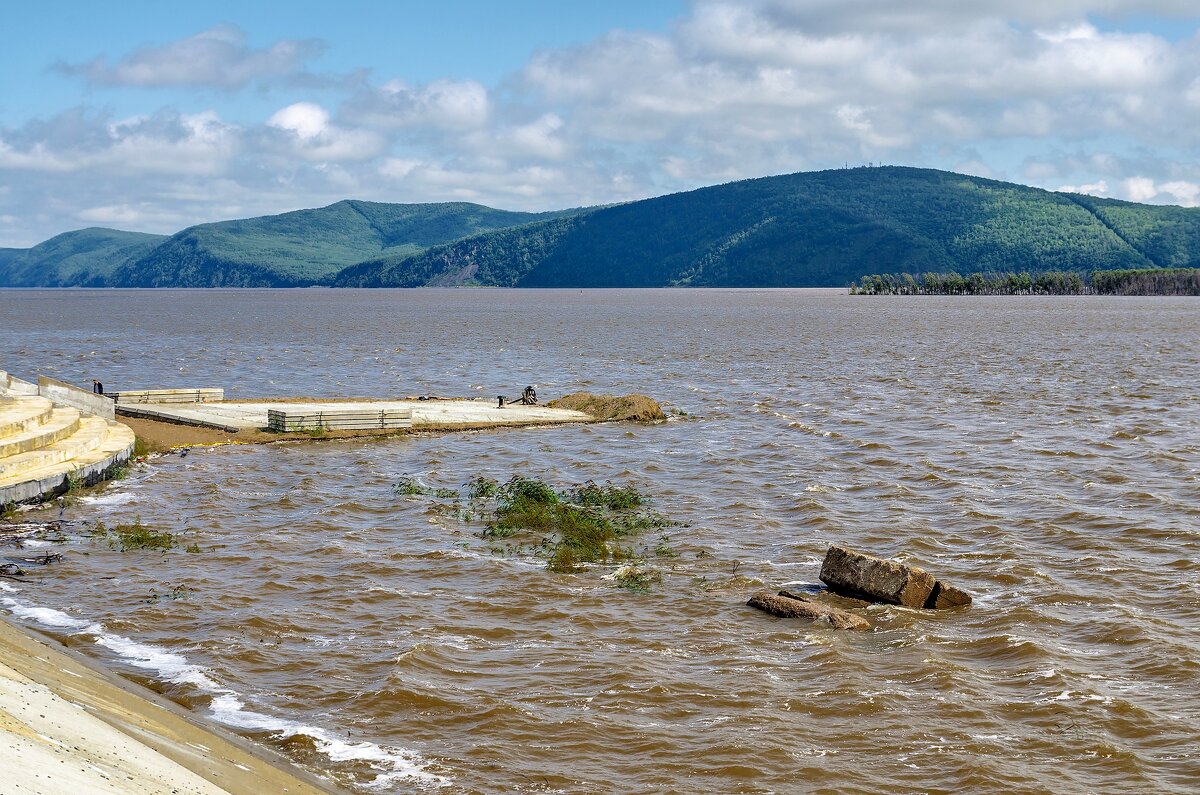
[1030,450]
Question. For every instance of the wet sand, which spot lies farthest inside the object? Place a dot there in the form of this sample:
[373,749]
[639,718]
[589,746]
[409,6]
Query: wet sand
[69,727]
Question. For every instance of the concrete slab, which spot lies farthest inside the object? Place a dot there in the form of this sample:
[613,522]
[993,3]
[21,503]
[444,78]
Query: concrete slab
[425,413]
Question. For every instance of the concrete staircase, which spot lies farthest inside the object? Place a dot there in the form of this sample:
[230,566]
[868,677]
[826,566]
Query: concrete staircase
[45,448]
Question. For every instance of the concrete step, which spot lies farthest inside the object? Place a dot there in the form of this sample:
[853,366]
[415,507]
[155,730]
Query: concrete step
[89,435]
[20,414]
[62,423]
[119,438]
[114,447]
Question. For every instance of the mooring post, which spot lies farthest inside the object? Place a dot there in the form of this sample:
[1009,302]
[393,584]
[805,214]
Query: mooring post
[500,398]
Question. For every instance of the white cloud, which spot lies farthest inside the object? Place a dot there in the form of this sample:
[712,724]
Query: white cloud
[219,57]
[1094,188]
[306,119]
[166,142]
[1145,189]
[442,104]
[1069,93]
[316,138]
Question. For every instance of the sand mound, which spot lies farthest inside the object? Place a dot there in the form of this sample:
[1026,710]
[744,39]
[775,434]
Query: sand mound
[611,407]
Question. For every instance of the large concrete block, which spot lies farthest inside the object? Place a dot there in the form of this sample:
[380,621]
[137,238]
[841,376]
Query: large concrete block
[868,577]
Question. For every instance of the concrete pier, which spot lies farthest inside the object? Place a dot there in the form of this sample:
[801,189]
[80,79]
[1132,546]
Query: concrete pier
[428,414]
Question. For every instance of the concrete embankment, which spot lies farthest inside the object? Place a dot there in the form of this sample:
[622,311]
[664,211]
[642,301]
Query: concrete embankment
[67,728]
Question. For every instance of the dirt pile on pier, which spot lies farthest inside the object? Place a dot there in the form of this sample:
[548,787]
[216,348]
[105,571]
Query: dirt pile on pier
[610,407]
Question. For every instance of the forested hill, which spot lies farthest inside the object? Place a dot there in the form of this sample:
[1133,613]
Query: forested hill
[307,246]
[85,257]
[822,228]
[825,228]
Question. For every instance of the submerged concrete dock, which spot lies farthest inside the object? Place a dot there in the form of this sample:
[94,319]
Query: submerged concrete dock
[435,413]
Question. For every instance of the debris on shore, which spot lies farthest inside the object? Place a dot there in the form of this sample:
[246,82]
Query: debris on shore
[611,408]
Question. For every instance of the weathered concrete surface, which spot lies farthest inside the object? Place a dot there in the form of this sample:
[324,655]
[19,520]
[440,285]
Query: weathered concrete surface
[69,728]
[11,385]
[43,448]
[64,394]
[796,606]
[863,576]
[875,579]
[425,413]
[194,395]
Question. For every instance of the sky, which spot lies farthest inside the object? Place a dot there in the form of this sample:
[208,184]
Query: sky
[153,116]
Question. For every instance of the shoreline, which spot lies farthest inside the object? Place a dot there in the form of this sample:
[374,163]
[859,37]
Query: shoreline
[69,725]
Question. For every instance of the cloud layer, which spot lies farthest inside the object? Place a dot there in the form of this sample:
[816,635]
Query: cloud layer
[1069,95]
[216,58]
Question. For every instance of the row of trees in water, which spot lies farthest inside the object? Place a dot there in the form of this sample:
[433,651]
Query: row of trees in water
[1147,281]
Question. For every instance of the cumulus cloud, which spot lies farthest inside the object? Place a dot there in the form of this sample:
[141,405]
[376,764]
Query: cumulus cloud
[442,104]
[1071,94]
[217,58]
[166,142]
[315,137]
[923,15]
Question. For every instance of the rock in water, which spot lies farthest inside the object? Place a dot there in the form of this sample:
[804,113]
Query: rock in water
[876,579]
[792,607]
[864,576]
[945,596]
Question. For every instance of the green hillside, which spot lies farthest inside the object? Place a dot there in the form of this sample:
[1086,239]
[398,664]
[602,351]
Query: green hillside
[85,257]
[811,229]
[825,228]
[306,246]
[7,256]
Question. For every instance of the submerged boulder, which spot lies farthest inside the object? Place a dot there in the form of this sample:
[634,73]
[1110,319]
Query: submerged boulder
[878,580]
[797,606]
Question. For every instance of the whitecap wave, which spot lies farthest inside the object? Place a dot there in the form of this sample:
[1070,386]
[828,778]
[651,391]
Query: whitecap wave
[227,707]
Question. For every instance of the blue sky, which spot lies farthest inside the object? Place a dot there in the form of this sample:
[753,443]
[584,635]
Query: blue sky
[153,116]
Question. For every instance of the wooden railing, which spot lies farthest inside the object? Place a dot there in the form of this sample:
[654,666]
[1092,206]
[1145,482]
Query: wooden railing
[334,420]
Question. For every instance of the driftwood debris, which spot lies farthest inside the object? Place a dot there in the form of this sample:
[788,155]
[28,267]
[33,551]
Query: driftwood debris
[875,579]
[798,606]
[40,560]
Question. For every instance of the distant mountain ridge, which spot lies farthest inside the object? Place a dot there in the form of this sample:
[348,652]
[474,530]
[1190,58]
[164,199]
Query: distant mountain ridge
[810,229]
[83,258]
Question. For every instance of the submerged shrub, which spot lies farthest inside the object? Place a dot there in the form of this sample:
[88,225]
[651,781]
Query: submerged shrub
[591,523]
[409,487]
[126,537]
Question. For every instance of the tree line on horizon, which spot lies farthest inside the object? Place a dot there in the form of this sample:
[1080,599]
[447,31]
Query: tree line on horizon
[1140,281]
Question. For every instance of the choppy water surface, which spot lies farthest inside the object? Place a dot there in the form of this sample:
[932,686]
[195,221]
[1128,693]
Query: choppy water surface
[1042,453]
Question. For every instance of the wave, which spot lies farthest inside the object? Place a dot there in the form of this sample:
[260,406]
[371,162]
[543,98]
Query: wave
[226,706]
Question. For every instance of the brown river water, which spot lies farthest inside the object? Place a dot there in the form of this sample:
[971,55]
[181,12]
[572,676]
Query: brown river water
[1042,452]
